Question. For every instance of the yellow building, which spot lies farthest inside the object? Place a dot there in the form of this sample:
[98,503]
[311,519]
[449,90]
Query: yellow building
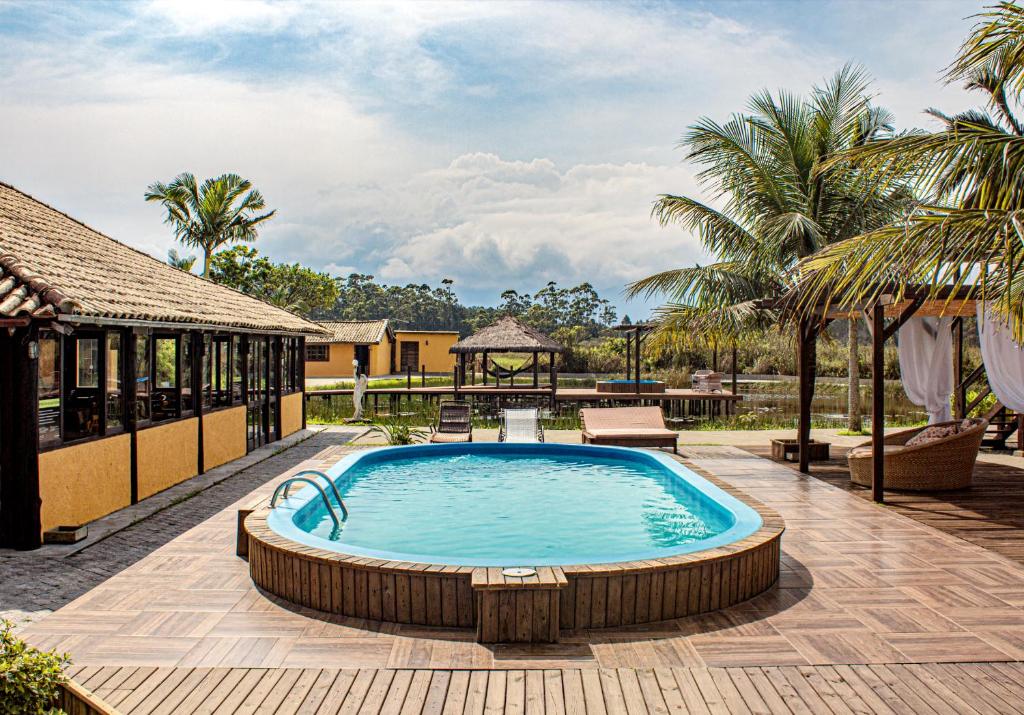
[378,348]
[121,376]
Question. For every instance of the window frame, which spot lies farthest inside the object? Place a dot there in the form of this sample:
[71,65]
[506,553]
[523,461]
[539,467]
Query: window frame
[311,347]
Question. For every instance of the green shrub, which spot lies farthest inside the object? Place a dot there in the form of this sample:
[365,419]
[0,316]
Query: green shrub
[396,432]
[29,678]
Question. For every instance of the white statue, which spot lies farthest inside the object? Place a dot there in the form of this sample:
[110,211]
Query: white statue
[359,389]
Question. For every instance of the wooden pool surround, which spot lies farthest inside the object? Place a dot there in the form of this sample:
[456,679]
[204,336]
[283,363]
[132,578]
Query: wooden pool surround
[508,609]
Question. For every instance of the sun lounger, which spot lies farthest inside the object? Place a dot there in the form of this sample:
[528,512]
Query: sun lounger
[521,425]
[627,427]
[454,424]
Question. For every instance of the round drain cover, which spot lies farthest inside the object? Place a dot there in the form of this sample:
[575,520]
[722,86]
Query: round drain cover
[519,572]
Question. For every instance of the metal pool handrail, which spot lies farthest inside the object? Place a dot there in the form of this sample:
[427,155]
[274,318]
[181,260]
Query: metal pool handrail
[284,486]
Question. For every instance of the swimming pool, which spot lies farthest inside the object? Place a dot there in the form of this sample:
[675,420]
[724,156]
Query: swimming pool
[604,536]
[507,505]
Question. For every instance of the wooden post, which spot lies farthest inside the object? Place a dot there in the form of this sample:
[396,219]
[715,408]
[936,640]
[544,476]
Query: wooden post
[638,340]
[408,376]
[300,366]
[131,406]
[806,368]
[423,375]
[958,368]
[462,369]
[536,371]
[878,403]
[714,357]
[734,368]
[20,518]
[455,380]
[197,388]
[483,366]
[554,379]
[278,359]
[629,358]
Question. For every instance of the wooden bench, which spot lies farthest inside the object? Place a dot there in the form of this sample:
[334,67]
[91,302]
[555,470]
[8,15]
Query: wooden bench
[517,609]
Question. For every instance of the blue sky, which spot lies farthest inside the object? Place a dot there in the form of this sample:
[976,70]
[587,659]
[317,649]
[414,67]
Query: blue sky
[500,144]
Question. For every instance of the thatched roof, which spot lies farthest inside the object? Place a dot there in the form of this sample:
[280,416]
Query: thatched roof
[52,266]
[507,335]
[360,332]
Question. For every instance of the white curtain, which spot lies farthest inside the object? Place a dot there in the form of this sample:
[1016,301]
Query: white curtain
[926,365]
[1004,360]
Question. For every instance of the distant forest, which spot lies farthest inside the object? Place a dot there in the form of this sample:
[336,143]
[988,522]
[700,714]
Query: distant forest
[422,307]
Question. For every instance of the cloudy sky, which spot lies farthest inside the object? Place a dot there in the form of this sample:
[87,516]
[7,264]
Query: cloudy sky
[499,144]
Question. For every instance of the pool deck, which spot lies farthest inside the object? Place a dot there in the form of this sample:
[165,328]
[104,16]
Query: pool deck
[874,612]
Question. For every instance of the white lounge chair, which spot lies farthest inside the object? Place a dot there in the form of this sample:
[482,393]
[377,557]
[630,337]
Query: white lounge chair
[520,425]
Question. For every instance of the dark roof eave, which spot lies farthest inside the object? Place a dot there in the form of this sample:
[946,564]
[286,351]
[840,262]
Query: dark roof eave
[85,319]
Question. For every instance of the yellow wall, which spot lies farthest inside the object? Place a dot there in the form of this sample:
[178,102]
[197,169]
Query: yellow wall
[433,349]
[380,357]
[223,436]
[166,455]
[339,365]
[85,481]
[291,413]
[341,356]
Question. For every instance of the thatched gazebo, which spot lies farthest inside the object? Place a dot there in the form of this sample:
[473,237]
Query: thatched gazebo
[507,335]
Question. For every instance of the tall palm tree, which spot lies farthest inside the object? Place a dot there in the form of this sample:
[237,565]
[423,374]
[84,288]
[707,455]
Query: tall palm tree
[782,200]
[222,210]
[971,227]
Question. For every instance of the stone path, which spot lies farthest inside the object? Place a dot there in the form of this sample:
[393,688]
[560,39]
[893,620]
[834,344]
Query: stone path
[34,583]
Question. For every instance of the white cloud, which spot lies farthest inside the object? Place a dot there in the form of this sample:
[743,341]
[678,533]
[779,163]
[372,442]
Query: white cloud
[500,144]
[492,224]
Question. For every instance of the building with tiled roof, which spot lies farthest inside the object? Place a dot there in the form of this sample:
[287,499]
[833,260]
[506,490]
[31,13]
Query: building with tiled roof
[121,376]
[374,348]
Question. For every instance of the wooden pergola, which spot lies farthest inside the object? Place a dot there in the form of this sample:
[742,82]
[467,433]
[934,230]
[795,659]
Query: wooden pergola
[884,317]
[634,341]
[507,335]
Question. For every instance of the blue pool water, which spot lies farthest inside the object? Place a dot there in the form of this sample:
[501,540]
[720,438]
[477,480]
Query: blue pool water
[503,505]
[631,382]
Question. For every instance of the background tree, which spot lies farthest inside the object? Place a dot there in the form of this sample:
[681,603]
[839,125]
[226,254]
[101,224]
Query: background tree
[286,285]
[782,200]
[185,263]
[219,211]
[972,174]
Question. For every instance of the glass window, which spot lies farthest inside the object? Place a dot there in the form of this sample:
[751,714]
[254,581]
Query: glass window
[236,369]
[88,363]
[115,390]
[165,389]
[82,406]
[318,352]
[143,381]
[221,367]
[205,384]
[49,388]
[186,373]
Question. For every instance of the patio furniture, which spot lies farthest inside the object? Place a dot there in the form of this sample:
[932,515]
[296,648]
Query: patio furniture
[934,465]
[627,427]
[707,381]
[789,450]
[454,423]
[520,425]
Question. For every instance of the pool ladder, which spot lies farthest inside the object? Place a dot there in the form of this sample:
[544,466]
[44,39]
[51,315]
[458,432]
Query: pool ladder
[283,487]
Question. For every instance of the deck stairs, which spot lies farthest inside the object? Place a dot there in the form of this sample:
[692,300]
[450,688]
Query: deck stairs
[1002,424]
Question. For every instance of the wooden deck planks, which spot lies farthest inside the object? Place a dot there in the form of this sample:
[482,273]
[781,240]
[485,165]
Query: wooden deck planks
[878,688]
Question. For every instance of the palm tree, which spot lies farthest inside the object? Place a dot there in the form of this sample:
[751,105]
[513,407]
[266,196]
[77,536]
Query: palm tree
[184,263]
[781,198]
[972,172]
[220,211]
